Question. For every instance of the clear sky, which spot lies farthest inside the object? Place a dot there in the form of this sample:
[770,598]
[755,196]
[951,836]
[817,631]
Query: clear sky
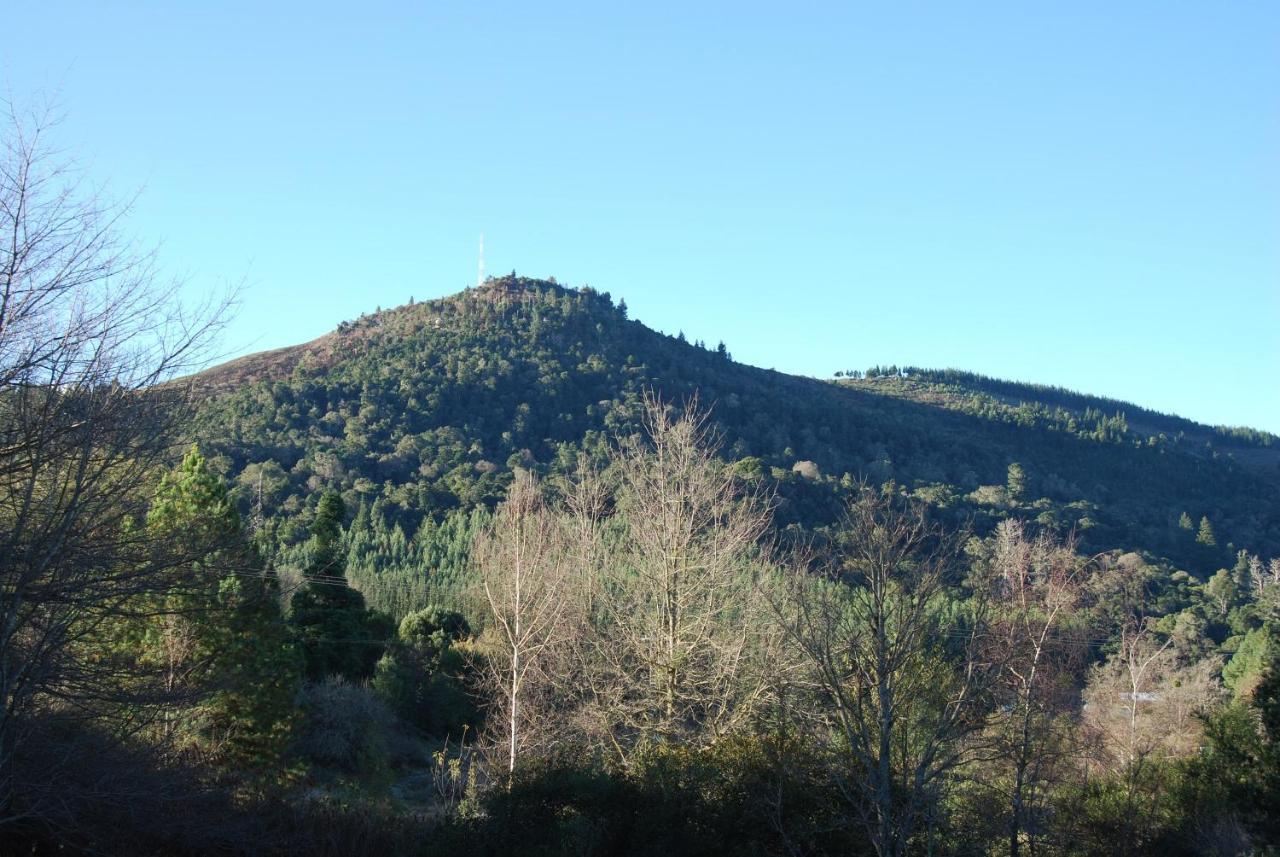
[1085,195]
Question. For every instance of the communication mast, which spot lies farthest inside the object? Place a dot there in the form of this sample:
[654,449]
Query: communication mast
[480,269]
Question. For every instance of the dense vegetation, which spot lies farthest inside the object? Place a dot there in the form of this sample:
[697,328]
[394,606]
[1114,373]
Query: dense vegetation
[418,415]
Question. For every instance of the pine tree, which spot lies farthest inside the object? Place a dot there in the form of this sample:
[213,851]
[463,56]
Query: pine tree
[1205,536]
[220,638]
[339,635]
[1016,482]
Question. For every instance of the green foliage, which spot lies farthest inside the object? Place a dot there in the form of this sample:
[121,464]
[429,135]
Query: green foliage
[339,636]
[326,535]
[1222,592]
[1134,813]
[1236,779]
[1205,534]
[1016,482]
[399,574]
[224,632]
[419,415]
[422,675]
[1257,652]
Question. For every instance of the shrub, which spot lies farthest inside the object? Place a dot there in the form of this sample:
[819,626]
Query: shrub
[346,727]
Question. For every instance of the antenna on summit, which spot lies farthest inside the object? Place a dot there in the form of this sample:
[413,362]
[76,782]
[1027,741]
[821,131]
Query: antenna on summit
[480,268]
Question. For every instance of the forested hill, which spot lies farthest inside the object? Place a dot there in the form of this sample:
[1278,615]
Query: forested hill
[1030,404]
[419,413]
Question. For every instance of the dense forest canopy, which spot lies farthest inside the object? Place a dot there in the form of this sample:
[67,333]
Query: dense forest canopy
[418,416]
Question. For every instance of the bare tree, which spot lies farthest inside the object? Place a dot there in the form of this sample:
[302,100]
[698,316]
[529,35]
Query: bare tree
[520,561]
[587,500]
[1035,586]
[679,651]
[904,687]
[1144,703]
[88,336]
[1143,706]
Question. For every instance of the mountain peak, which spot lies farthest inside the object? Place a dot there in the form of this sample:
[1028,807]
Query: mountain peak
[430,405]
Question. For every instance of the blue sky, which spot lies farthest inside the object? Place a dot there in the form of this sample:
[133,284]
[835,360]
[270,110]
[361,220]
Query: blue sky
[1084,194]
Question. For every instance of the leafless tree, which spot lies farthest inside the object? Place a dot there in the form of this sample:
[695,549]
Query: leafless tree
[678,649]
[904,688]
[520,561]
[88,337]
[587,501]
[1035,587]
[1143,706]
[1143,703]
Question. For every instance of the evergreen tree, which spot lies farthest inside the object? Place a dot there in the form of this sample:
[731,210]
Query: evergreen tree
[221,634]
[339,635]
[1205,536]
[420,676]
[1242,573]
[1257,652]
[1016,482]
[1236,775]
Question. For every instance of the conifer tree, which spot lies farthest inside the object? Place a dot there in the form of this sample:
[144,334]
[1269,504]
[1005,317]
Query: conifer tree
[1016,482]
[229,668]
[339,635]
[1205,536]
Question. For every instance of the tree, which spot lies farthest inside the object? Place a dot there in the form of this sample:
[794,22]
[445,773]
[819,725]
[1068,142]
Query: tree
[1258,652]
[588,497]
[1237,774]
[904,680]
[1142,702]
[1016,482]
[522,570]
[1205,535]
[225,638]
[420,675]
[1144,708]
[339,635]
[1221,592]
[681,651]
[1035,589]
[88,337]
[1245,574]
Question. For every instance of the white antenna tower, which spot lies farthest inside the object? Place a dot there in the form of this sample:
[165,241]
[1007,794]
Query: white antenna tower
[480,270]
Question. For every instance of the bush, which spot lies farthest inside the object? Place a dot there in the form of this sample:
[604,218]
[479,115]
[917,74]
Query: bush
[744,796]
[346,727]
[421,676]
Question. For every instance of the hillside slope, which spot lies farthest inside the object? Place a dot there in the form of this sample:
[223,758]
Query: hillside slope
[424,409]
